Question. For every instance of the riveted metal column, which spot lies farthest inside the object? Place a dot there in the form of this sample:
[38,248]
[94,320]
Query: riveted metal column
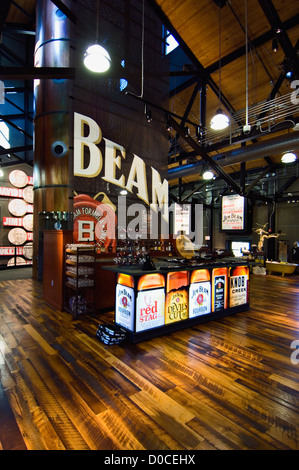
[52,167]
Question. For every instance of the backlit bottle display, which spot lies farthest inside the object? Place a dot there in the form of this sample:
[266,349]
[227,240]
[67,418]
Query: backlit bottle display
[199,293]
[238,286]
[177,297]
[219,289]
[150,304]
[125,301]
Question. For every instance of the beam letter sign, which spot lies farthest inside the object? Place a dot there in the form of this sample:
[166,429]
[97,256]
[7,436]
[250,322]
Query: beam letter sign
[114,154]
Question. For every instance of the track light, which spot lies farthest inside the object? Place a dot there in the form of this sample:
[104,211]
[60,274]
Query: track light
[274,45]
[168,125]
[186,131]
[148,114]
[199,134]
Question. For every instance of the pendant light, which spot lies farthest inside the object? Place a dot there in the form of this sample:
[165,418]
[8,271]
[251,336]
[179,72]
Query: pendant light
[220,120]
[96,58]
[247,126]
[208,175]
[289,157]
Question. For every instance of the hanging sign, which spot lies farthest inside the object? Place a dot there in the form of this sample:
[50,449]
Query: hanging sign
[233,212]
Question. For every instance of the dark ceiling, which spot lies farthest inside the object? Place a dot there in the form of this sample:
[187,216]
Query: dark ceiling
[253,82]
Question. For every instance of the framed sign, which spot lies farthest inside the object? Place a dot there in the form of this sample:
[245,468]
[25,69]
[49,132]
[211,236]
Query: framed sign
[233,213]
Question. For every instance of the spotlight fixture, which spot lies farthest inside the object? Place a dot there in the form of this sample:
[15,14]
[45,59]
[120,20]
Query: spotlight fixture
[168,125]
[96,58]
[199,134]
[288,157]
[208,175]
[274,45]
[186,131]
[220,120]
[148,114]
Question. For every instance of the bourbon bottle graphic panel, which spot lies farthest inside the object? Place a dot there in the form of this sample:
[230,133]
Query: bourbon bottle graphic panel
[238,286]
[125,301]
[199,293]
[150,302]
[219,289]
[177,297]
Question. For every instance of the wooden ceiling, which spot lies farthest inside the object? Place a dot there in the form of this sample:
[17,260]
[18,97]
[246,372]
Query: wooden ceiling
[206,33]
[199,26]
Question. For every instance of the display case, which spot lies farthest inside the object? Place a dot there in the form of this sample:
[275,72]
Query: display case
[79,279]
[155,302]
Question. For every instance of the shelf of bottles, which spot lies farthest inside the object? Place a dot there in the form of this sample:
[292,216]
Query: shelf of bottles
[136,252]
[79,279]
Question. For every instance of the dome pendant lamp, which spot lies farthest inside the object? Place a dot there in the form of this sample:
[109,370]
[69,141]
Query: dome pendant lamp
[220,120]
[96,58]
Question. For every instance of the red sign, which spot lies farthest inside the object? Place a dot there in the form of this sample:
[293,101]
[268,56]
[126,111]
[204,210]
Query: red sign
[11,192]
[10,250]
[94,221]
[13,221]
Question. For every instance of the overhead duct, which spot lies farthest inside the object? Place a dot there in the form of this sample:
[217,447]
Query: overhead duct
[242,154]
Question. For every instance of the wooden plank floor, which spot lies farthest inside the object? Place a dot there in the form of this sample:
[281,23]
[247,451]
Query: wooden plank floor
[228,384]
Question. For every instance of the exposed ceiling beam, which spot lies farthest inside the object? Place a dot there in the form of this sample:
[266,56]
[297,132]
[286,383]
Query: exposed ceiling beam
[12,57]
[282,37]
[273,146]
[13,150]
[5,6]
[231,57]
[201,70]
[30,73]
[255,43]
[68,13]
[286,186]
[205,157]
[268,169]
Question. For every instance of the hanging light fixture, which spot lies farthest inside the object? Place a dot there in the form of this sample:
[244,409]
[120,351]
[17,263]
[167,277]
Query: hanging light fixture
[208,175]
[220,120]
[96,58]
[288,157]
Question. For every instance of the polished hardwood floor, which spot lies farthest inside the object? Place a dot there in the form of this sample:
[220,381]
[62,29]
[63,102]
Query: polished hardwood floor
[227,384]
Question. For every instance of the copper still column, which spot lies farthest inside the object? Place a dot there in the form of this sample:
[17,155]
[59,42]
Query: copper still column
[52,161]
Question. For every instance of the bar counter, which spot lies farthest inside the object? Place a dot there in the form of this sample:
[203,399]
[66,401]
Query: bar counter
[154,302]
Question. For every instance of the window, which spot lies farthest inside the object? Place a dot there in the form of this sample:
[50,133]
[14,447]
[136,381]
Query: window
[4,135]
[170,43]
